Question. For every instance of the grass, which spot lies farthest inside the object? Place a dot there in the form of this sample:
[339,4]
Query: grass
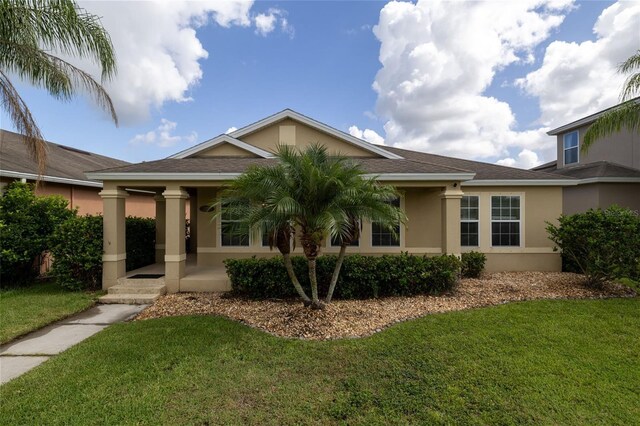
[29,308]
[543,362]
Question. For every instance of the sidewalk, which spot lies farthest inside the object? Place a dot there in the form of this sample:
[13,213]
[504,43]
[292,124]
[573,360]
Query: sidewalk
[20,356]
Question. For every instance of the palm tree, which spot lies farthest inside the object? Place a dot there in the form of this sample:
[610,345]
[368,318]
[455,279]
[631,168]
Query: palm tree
[627,114]
[319,194]
[32,34]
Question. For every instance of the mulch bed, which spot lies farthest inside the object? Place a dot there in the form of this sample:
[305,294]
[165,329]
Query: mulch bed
[357,318]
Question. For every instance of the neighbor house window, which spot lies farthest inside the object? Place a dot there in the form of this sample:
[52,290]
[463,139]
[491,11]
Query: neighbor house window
[505,221]
[571,147]
[469,221]
[233,234]
[381,236]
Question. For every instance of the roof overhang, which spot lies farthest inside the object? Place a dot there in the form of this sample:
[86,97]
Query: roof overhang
[209,176]
[609,180]
[218,140]
[54,179]
[586,120]
[522,182]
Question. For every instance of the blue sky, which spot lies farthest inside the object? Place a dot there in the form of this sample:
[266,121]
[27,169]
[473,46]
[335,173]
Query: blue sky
[321,59]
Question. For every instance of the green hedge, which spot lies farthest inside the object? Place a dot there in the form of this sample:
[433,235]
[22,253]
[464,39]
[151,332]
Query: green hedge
[77,249]
[361,277]
[602,244]
[27,223]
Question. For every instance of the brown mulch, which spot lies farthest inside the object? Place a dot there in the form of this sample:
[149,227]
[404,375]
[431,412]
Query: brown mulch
[357,318]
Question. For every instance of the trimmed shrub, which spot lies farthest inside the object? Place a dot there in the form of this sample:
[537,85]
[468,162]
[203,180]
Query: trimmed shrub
[77,249]
[77,253]
[602,244]
[473,264]
[27,223]
[361,277]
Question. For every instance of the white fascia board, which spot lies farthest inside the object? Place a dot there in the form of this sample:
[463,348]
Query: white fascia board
[609,180]
[522,182]
[54,179]
[163,176]
[421,176]
[219,140]
[287,113]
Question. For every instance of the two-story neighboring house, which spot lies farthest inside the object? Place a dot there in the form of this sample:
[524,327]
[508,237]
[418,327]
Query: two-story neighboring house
[609,173]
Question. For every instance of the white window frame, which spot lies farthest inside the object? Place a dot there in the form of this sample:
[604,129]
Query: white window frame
[220,230]
[400,233]
[492,220]
[470,220]
[565,149]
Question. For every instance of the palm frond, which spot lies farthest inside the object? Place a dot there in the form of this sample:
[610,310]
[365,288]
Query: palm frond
[625,116]
[24,122]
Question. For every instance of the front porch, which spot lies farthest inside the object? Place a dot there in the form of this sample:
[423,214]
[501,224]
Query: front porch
[146,284]
[433,209]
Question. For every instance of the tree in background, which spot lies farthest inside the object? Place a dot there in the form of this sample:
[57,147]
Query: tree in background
[627,114]
[318,194]
[35,37]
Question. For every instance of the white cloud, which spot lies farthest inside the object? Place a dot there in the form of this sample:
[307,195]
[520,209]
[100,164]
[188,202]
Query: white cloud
[526,160]
[163,136]
[231,130]
[367,134]
[158,49]
[267,22]
[577,79]
[438,58]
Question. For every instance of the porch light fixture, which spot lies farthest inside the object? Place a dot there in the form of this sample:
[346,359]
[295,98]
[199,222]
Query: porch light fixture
[207,208]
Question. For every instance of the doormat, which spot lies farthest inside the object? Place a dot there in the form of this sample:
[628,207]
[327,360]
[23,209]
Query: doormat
[143,276]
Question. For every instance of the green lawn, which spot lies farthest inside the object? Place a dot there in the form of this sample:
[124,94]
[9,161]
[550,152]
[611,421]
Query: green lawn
[26,309]
[543,362]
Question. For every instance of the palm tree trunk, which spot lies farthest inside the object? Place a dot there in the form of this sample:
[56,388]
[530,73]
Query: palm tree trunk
[336,273]
[292,275]
[315,302]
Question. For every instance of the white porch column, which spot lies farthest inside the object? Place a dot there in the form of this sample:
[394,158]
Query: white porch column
[161,225]
[114,242]
[450,202]
[175,255]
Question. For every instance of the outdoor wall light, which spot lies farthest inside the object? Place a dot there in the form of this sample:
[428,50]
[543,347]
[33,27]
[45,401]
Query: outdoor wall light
[207,208]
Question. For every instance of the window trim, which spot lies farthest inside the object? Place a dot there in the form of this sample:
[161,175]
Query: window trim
[491,221]
[220,223]
[400,234]
[577,148]
[471,221]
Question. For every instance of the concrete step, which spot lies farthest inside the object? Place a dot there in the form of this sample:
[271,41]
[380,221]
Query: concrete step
[141,281]
[138,289]
[130,299]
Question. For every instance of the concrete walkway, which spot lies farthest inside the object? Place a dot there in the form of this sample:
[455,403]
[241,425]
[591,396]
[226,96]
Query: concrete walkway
[20,356]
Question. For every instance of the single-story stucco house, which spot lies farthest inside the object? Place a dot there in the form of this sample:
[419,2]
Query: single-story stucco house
[453,205]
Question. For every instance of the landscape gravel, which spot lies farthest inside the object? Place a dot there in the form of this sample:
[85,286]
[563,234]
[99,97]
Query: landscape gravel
[357,318]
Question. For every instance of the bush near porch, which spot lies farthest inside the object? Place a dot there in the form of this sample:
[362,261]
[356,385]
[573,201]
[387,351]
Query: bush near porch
[362,277]
[77,249]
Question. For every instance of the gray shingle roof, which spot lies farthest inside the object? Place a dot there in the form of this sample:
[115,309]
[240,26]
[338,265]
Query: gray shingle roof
[598,169]
[62,161]
[412,162]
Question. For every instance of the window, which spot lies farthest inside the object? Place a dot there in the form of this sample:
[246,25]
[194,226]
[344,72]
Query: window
[233,234]
[469,221]
[571,148]
[381,236]
[505,221]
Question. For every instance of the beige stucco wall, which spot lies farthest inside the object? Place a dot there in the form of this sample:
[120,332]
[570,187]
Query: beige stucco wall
[578,199]
[225,150]
[538,205]
[622,148]
[423,232]
[269,138]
